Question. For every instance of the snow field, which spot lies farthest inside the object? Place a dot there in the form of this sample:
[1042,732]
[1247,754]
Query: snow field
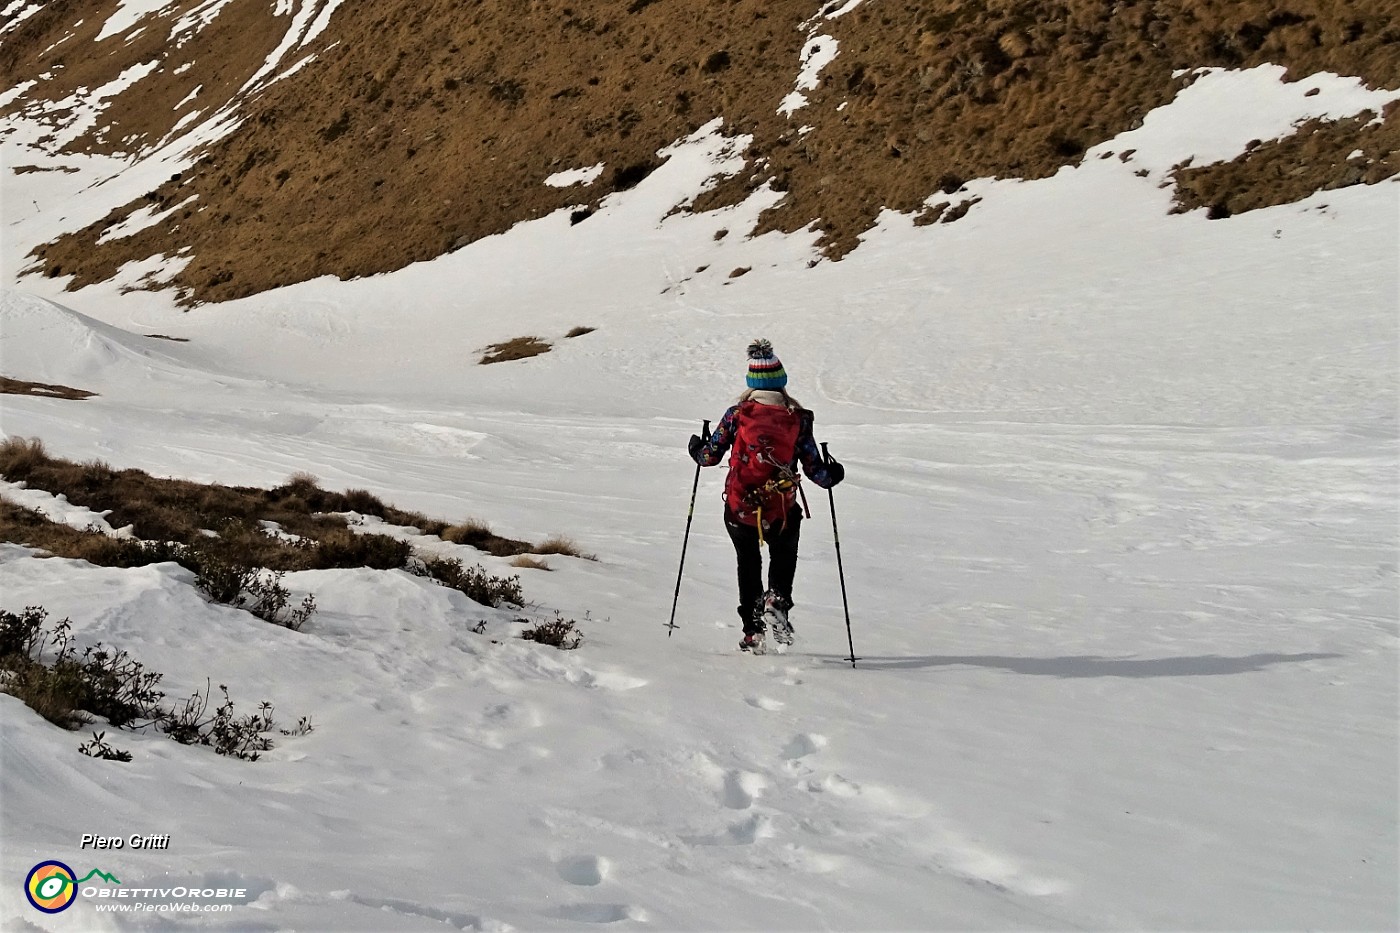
[1118,533]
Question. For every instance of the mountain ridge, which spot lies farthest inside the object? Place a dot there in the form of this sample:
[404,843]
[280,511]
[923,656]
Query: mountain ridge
[371,138]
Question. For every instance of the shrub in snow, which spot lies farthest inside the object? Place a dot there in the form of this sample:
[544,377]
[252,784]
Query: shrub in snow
[266,598]
[254,589]
[228,734]
[344,548]
[133,552]
[97,747]
[71,688]
[559,632]
[301,483]
[475,582]
[363,501]
[65,689]
[221,579]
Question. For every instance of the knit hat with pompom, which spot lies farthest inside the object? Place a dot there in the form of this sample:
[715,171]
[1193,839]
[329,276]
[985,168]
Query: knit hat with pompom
[765,370]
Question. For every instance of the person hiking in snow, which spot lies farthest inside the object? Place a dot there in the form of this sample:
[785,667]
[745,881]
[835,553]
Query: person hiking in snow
[770,434]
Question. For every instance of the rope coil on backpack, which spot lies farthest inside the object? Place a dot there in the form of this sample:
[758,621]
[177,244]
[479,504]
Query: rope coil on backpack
[780,485]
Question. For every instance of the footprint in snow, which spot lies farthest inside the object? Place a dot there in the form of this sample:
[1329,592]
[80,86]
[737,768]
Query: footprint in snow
[745,832]
[741,788]
[803,744]
[835,785]
[790,678]
[602,913]
[513,715]
[768,704]
[957,856]
[812,862]
[584,870]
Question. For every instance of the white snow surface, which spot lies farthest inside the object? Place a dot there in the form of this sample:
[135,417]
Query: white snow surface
[59,509]
[817,53]
[1118,534]
[575,176]
[128,14]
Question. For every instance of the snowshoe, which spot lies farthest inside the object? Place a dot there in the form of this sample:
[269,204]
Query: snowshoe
[754,643]
[775,617]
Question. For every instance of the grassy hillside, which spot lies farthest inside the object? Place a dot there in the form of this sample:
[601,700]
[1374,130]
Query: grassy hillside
[404,130]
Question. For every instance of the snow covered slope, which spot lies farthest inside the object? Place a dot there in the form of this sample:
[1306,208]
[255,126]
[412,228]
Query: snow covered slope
[1118,533]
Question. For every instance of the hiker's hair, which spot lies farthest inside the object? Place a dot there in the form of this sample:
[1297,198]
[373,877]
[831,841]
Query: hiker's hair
[792,403]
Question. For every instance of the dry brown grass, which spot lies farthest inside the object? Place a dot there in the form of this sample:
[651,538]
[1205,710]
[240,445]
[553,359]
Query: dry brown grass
[424,524]
[10,386]
[1317,157]
[922,97]
[20,455]
[466,531]
[580,331]
[558,544]
[181,512]
[478,534]
[518,349]
[301,482]
[364,502]
[525,561]
[28,527]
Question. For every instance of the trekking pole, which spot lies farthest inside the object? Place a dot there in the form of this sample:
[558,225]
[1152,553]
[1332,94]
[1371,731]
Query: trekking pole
[836,536]
[689,517]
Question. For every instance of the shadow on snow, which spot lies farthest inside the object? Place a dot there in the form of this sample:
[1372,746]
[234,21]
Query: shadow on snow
[1089,665]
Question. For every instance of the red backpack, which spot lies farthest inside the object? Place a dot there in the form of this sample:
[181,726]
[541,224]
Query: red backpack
[762,482]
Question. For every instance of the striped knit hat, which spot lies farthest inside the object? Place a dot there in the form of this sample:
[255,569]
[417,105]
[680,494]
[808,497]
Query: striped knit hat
[765,370]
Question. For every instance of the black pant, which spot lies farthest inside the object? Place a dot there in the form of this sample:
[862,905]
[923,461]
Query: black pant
[781,538]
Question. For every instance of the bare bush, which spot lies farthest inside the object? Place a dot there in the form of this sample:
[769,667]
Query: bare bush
[72,686]
[474,582]
[558,632]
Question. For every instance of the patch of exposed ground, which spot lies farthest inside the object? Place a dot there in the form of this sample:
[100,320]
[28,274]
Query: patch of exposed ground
[421,127]
[183,512]
[518,349]
[1321,156]
[10,386]
[312,531]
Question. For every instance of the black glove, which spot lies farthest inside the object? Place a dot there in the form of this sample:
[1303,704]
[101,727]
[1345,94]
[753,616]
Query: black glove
[697,444]
[835,472]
